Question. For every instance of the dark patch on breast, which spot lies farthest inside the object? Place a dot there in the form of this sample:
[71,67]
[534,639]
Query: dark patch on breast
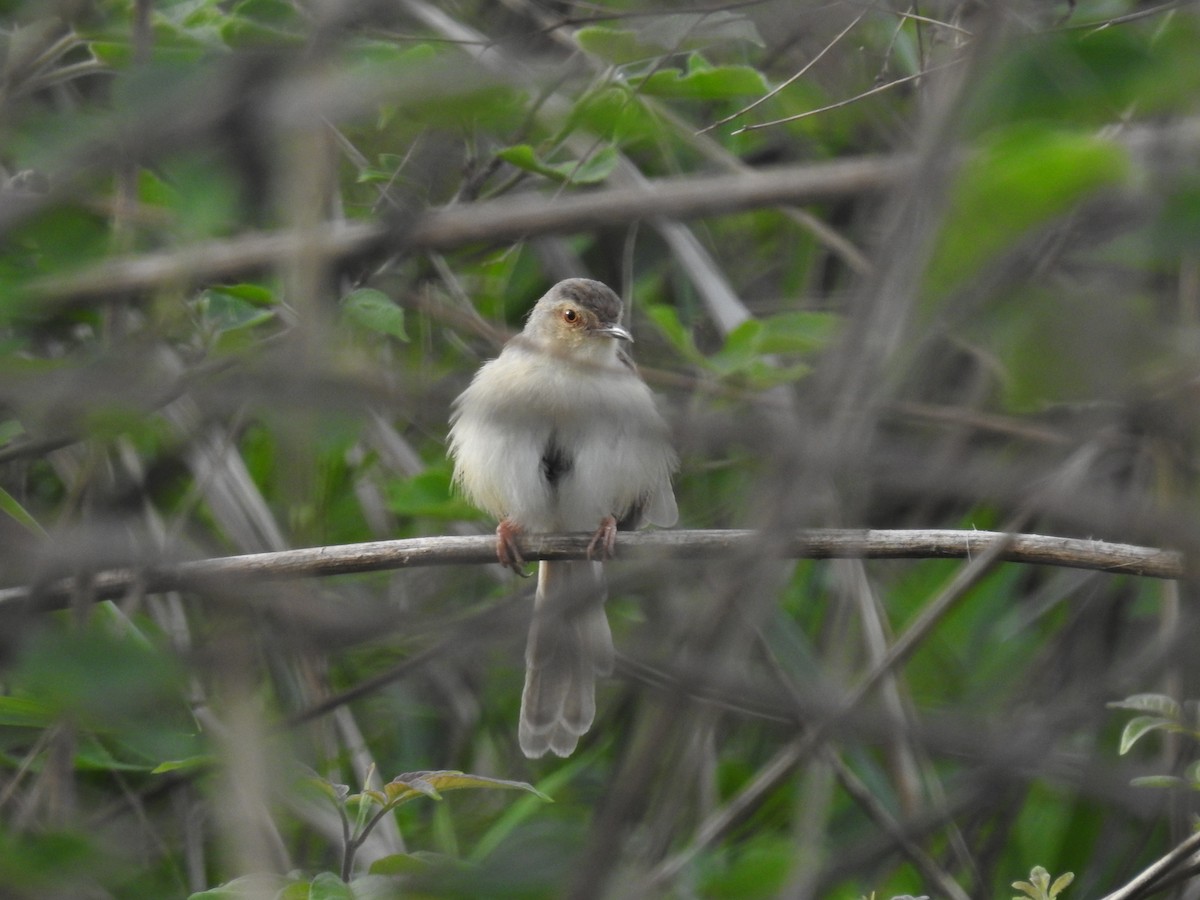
[556,462]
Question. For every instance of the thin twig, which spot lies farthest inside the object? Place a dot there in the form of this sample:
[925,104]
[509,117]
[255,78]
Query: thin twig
[936,23]
[771,93]
[1127,17]
[875,90]
[883,819]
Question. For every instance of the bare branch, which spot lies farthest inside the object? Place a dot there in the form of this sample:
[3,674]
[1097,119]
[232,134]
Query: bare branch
[493,222]
[344,559]
[515,218]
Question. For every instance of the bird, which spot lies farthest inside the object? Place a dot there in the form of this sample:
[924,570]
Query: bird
[559,433]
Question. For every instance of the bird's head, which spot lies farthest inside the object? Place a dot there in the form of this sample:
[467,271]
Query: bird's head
[579,317]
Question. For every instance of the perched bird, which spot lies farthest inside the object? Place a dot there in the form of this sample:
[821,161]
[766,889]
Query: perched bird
[560,433]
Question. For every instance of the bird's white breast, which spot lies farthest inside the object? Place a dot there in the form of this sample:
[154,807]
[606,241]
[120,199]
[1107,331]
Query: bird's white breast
[600,414]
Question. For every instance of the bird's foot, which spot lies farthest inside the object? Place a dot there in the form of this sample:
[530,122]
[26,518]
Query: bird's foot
[604,541]
[506,547]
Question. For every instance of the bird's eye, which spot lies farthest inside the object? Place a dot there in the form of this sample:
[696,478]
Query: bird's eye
[569,315]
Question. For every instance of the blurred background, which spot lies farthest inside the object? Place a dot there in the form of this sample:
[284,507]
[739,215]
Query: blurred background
[251,250]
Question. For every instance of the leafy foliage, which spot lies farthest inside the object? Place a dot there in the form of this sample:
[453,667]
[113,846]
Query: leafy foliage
[1164,714]
[234,313]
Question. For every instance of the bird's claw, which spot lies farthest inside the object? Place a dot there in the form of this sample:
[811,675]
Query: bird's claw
[604,542]
[507,551]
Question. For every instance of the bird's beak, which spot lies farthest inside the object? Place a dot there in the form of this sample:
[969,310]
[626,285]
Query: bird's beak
[614,331]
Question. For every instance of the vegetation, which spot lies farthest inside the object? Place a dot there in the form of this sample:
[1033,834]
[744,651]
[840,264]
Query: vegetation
[908,267]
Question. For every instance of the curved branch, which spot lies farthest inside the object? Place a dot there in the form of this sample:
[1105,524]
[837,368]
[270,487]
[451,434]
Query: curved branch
[344,559]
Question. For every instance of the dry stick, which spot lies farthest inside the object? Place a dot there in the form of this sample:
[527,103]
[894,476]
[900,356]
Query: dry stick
[376,556]
[794,751]
[514,218]
[492,222]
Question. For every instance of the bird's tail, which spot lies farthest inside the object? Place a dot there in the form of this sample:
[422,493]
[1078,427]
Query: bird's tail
[569,645]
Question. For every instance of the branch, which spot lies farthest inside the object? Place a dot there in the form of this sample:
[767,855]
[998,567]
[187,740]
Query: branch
[444,551]
[515,218]
[491,222]
[1187,848]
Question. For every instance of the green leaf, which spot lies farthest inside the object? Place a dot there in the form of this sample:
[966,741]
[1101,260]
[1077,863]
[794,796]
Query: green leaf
[334,791]
[171,45]
[204,201]
[403,788]
[24,712]
[375,311]
[225,312]
[18,513]
[745,348]
[523,157]
[798,332]
[671,33]
[592,170]
[262,22]
[398,864]
[362,805]
[328,886]
[411,785]
[254,294]
[667,320]
[1138,727]
[189,764]
[1020,179]
[717,83]
[613,44]
[1157,704]
[741,347]
[1039,888]
[1061,882]
[91,755]
[152,190]
[246,887]
[614,113]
